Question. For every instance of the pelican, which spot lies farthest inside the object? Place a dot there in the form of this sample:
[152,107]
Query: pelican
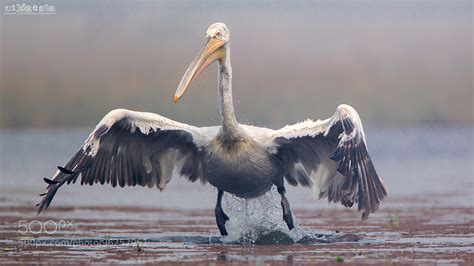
[129,148]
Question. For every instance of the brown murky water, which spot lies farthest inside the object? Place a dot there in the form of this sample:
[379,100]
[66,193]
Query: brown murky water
[409,235]
[427,219]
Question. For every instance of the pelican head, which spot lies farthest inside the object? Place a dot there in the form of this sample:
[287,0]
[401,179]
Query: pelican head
[214,49]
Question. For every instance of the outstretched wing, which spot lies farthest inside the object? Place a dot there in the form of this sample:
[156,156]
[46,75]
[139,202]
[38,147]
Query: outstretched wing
[332,156]
[129,148]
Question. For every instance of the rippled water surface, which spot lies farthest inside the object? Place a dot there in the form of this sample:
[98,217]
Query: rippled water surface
[427,217]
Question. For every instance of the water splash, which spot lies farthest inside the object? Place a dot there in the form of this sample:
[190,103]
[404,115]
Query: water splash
[259,220]
[252,221]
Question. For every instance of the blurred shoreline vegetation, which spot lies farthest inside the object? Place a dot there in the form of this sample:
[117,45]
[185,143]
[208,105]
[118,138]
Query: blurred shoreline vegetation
[396,62]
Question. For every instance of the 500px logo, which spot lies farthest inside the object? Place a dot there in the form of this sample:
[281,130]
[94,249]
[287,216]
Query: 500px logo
[38,227]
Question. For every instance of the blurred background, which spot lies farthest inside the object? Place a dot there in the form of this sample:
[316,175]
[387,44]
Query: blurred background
[406,66]
[396,62]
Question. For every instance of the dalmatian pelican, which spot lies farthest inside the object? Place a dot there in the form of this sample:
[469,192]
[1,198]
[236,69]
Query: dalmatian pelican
[129,148]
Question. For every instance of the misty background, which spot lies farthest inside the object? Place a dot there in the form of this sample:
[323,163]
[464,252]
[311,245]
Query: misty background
[396,62]
[406,66]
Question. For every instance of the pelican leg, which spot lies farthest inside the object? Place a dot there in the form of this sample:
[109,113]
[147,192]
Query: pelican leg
[221,217]
[285,205]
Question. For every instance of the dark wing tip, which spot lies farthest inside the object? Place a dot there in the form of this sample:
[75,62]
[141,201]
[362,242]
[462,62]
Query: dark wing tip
[47,198]
[66,171]
[362,184]
[50,182]
[41,206]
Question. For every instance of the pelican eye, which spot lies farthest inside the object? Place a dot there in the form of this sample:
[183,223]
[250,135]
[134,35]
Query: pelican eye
[218,35]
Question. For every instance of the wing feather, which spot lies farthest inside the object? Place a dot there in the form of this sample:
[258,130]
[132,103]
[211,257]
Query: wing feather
[129,148]
[331,156]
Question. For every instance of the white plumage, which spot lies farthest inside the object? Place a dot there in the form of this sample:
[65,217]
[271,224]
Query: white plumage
[139,148]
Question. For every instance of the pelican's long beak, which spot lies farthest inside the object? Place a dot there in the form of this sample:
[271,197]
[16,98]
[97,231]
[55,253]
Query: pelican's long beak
[212,50]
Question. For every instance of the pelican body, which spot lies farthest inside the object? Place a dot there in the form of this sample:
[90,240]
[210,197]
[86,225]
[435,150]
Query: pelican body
[138,148]
[241,167]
